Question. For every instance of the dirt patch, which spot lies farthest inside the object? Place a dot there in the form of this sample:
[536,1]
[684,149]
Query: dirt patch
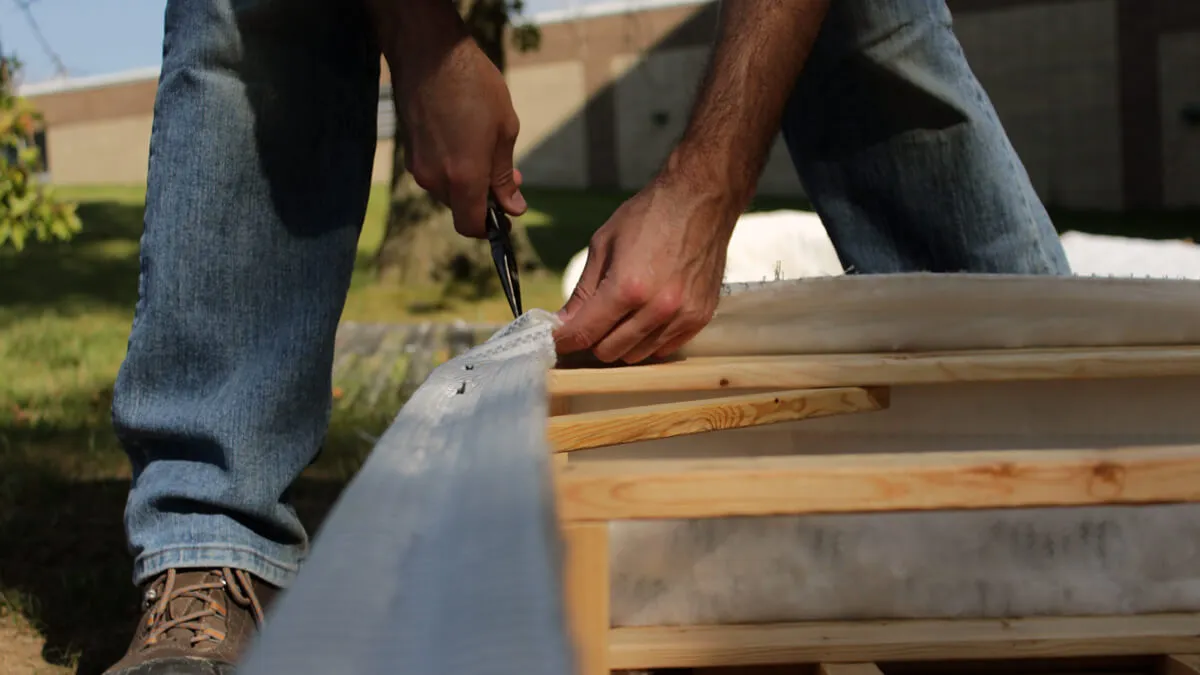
[21,650]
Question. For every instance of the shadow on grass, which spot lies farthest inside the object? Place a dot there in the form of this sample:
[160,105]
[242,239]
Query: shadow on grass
[63,556]
[573,217]
[96,270]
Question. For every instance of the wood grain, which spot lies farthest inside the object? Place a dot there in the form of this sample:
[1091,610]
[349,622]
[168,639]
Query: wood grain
[676,488]
[627,425]
[856,370]
[849,669]
[559,405]
[878,641]
[586,577]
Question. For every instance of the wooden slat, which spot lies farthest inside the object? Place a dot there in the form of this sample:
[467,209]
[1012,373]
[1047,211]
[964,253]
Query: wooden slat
[1181,664]
[586,578]
[849,669]
[628,425]
[855,370]
[1138,664]
[632,489]
[880,641]
[559,405]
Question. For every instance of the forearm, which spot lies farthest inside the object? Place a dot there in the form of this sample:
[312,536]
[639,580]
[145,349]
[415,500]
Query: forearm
[761,48]
[415,35]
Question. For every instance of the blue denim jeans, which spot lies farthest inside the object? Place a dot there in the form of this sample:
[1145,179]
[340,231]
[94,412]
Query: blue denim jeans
[901,151]
[260,164]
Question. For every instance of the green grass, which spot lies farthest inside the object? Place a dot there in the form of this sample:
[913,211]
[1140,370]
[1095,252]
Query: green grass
[65,312]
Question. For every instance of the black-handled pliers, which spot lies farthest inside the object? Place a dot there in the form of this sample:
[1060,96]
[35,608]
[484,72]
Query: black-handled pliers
[498,229]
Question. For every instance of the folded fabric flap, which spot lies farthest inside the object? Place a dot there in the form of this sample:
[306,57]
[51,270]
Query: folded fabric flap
[442,557]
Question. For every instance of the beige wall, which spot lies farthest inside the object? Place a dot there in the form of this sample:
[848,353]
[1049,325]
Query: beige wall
[664,82]
[107,151]
[779,175]
[1051,72]
[116,151]
[1179,73]
[659,84]
[588,100]
[552,146]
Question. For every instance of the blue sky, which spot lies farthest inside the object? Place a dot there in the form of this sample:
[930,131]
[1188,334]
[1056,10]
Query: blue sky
[94,37]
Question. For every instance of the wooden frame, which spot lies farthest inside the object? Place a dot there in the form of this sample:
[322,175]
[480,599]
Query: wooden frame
[802,387]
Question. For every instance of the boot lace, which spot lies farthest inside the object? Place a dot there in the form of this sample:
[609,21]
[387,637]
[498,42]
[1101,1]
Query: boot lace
[161,618]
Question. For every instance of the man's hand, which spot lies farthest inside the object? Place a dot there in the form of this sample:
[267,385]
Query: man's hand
[654,269]
[461,128]
[652,276]
[457,115]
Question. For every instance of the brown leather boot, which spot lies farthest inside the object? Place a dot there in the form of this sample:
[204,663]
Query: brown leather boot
[196,622]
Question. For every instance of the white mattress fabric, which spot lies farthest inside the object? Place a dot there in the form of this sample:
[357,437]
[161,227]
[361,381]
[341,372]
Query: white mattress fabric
[442,557]
[1002,563]
[937,312]
[792,244]
[1109,255]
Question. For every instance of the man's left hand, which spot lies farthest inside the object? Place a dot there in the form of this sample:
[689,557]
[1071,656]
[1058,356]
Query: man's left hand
[653,274]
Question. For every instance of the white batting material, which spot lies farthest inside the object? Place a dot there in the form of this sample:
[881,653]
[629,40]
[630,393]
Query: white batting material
[790,244]
[442,556]
[931,312]
[765,246]
[998,564]
[1002,563]
[1104,255]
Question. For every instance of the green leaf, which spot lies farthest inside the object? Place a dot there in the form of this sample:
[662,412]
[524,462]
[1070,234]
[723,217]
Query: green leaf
[26,207]
[526,37]
[18,238]
[29,155]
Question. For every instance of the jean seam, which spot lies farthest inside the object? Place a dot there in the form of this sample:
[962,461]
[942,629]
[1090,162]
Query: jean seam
[150,564]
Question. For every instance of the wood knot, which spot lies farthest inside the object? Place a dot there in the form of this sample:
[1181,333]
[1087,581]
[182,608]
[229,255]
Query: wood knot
[1106,480]
[998,470]
[724,382]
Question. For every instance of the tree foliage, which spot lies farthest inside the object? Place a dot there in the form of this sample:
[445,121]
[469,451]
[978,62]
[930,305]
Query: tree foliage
[27,208]
[420,243]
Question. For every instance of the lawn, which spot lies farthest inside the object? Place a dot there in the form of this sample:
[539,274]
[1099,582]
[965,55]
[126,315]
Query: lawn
[65,312]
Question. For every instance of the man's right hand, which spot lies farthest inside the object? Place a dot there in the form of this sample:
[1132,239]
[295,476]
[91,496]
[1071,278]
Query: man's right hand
[461,128]
[460,125]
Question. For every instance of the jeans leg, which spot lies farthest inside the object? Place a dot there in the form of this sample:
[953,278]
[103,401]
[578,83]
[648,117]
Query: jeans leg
[260,164]
[902,153]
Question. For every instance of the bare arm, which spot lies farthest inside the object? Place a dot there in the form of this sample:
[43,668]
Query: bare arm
[457,116]
[415,35]
[761,47]
[654,270]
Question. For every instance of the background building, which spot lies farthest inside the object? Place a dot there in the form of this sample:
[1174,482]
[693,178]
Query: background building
[1100,97]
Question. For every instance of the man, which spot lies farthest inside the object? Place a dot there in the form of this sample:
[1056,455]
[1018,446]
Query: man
[894,138]
[260,163]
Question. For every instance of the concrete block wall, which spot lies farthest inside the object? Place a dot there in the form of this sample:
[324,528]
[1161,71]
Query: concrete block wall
[549,99]
[1090,91]
[1051,72]
[1179,73]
